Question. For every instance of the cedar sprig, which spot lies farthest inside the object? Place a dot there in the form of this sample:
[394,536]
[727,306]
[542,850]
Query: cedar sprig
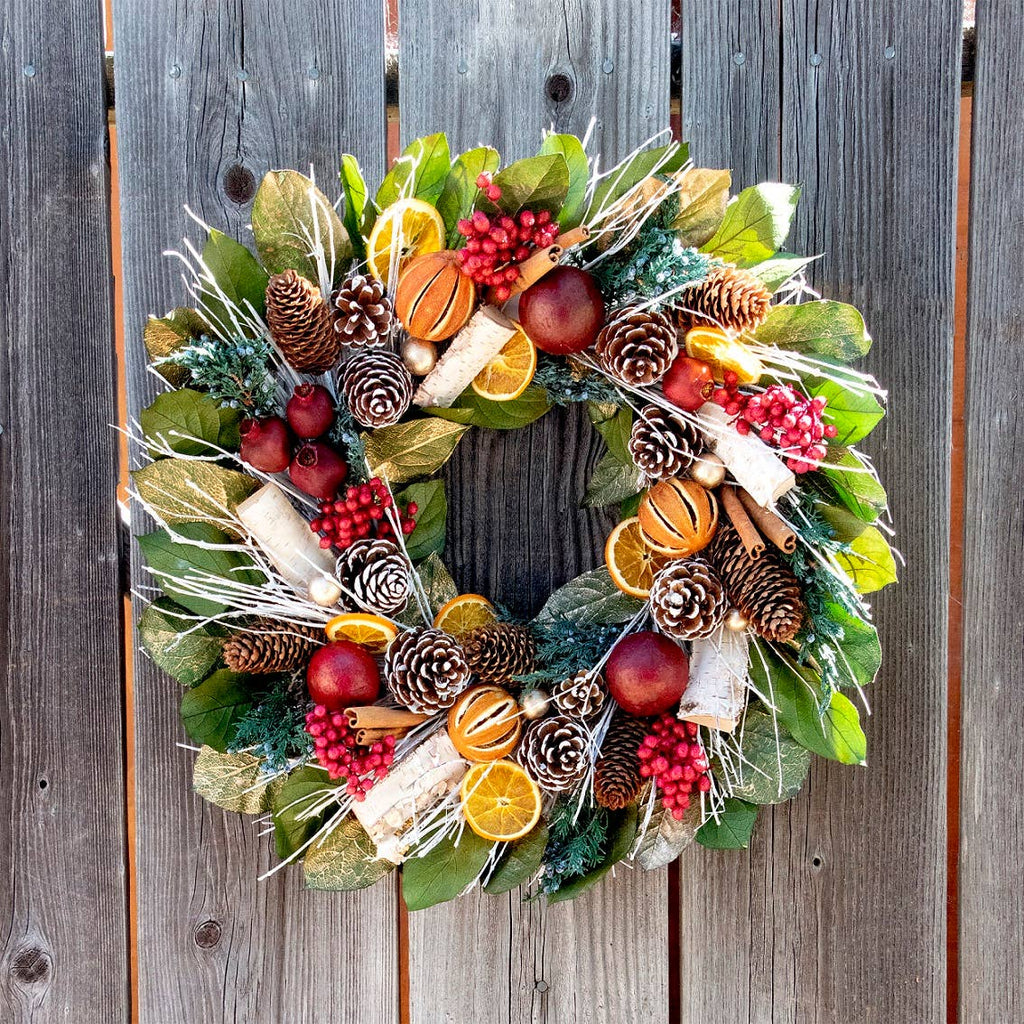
[345,434]
[274,728]
[575,846]
[238,371]
[566,385]
[565,647]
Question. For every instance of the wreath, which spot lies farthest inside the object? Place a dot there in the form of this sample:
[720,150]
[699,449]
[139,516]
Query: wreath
[337,683]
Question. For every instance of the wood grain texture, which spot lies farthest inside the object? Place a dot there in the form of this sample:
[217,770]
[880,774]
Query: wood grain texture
[202,89]
[62,848]
[991,812]
[837,911]
[479,71]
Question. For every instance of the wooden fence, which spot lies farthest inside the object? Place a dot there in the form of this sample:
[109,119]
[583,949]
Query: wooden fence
[128,898]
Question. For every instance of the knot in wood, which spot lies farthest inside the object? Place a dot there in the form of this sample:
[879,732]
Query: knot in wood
[239,184]
[207,934]
[558,88]
[31,966]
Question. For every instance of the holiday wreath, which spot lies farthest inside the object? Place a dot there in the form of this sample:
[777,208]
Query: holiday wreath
[338,683]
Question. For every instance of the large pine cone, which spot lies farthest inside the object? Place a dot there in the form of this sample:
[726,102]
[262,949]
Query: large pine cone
[617,780]
[764,589]
[277,647]
[426,670]
[363,313]
[728,297]
[498,652]
[300,323]
[637,346]
[377,387]
[581,695]
[662,443]
[688,600]
[377,575]
[554,752]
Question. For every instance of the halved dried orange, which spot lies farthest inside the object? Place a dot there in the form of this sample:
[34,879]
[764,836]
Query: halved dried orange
[631,562]
[509,373]
[407,228]
[500,801]
[463,613]
[721,351]
[369,631]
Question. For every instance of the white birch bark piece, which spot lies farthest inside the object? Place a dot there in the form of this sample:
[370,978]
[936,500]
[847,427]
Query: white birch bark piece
[717,690]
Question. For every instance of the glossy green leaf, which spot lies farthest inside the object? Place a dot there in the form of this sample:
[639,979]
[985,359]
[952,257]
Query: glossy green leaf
[853,413]
[614,424]
[733,828]
[230,420]
[345,860]
[575,156]
[231,781]
[612,481]
[755,225]
[408,450]
[303,789]
[825,328]
[176,642]
[164,335]
[622,828]
[703,199]
[189,490]
[777,767]
[472,410]
[520,864]
[589,599]
[353,187]
[537,183]
[860,651]
[869,561]
[428,536]
[630,172]
[182,412]
[855,484]
[212,710]
[438,585]
[459,194]
[774,272]
[419,172]
[444,872]
[238,275]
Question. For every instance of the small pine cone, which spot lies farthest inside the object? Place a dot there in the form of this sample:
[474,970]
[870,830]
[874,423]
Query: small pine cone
[277,647]
[426,670]
[688,600]
[617,780]
[300,323]
[497,653]
[662,443]
[377,574]
[554,752]
[581,695]
[363,313]
[637,346]
[728,297]
[764,589]
[377,387]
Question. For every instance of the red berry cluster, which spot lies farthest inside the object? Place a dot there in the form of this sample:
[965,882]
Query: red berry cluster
[360,513]
[673,756]
[334,744]
[781,416]
[496,245]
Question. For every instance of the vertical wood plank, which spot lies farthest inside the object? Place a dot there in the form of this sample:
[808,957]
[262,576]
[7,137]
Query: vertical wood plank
[62,853]
[203,90]
[479,72]
[991,815]
[838,909]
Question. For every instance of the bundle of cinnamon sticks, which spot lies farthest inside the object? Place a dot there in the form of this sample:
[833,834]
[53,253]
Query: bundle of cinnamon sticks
[373,723]
[755,524]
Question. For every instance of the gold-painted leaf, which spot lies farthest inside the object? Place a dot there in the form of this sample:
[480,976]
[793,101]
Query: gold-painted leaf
[409,450]
[346,859]
[231,781]
[703,197]
[164,335]
[187,491]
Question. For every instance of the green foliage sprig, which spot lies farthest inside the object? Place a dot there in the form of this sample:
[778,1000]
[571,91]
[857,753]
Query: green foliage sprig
[274,729]
[575,847]
[345,433]
[564,647]
[239,372]
[565,385]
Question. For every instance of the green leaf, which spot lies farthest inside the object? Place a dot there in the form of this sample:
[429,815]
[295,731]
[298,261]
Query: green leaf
[164,335]
[777,770]
[231,781]
[631,506]
[419,172]
[520,863]
[732,829]
[773,273]
[169,559]
[182,412]
[238,275]
[703,198]
[825,328]
[755,225]
[590,599]
[345,860]
[444,872]
[291,218]
[353,187]
[460,192]
[472,410]
[188,657]
[622,828]
[538,182]
[575,156]
[630,172]
[855,484]
[212,710]
[438,585]
[869,561]
[854,413]
[614,424]
[230,419]
[612,481]
[428,537]
[188,491]
[302,790]
[861,653]
[408,450]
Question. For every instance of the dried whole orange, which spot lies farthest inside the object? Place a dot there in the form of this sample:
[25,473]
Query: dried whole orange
[678,517]
[485,723]
[434,298]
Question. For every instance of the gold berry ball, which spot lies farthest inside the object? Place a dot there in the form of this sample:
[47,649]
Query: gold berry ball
[484,724]
[535,704]
[324,591]
[708,470]
[736,621]
[419,356]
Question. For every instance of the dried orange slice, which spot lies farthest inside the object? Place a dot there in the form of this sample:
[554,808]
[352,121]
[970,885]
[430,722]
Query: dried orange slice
[630,560]
[407,228]
[509,373]
[500,801]
[463,613]
[369,631]
[723,352]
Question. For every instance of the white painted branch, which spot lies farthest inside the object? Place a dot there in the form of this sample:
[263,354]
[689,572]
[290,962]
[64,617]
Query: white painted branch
[717,689]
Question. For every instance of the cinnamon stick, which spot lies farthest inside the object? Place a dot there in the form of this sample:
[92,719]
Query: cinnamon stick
[364,737]
[736,512]
[770,524]
[531,270]
[376,717]
[567,239]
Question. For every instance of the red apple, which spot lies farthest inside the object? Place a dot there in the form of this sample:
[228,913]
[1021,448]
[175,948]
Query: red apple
[343,675]
[563,311]
[647,673]
[266,444]
[688,383]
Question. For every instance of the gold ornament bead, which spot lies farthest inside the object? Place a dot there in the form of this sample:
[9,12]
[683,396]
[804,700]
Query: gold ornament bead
[736,621]
[419,356]
[535,704]
[324,591]
[708,470]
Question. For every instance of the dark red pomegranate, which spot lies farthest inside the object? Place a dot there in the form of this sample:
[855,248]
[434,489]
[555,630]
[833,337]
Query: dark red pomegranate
[266,444]
[318,470]
[310,410]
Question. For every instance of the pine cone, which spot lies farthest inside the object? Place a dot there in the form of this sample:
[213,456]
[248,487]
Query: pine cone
[363,313]
[497,653]
[377,387]
[300,323]
[581,695]
[662,443]
[426,670]
[554,752]
[377,574]
[728,297]
[764,589]
[617,780]
[637,346]
[277,647]
[688,600]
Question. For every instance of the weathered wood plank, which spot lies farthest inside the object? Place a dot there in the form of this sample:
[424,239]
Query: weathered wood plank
[482,73]
[208,94]
[838,909]
[991,815]
[62,853]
